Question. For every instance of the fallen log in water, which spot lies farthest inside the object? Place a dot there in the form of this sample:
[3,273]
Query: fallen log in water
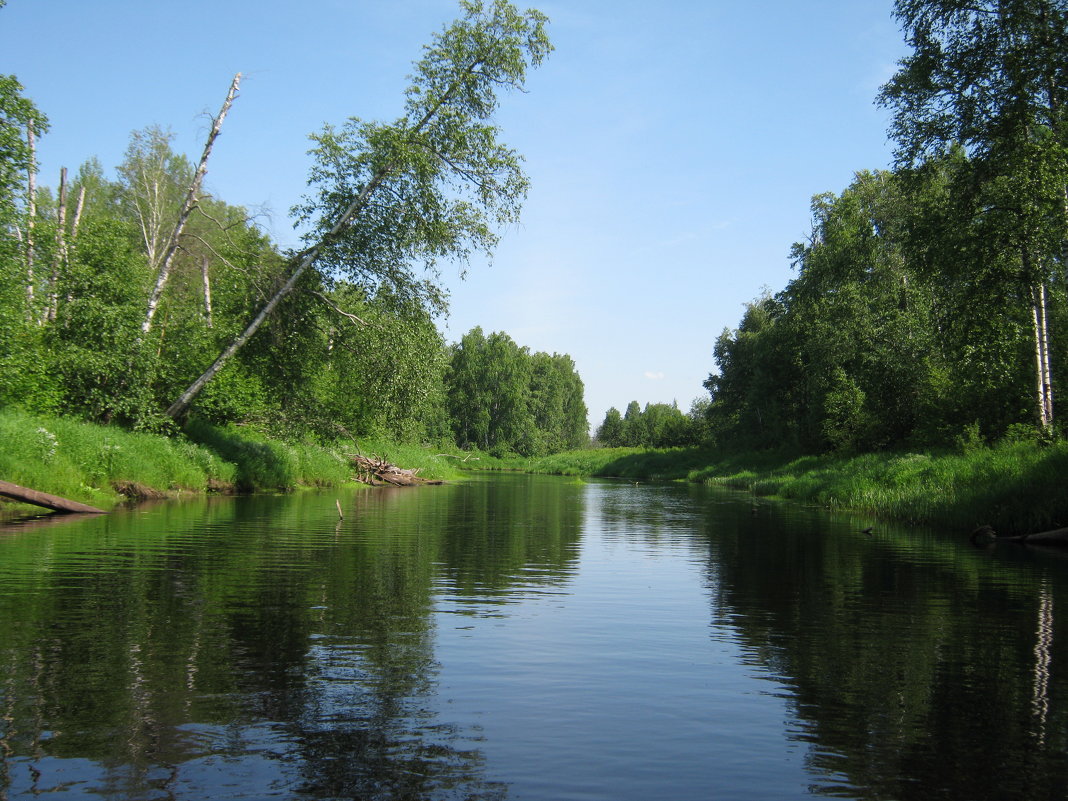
[984,535]
[378,473]
[54,502]
[1057,536]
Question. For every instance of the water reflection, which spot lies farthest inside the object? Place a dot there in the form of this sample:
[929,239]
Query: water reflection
[525,636]
[252,647]
[912,660]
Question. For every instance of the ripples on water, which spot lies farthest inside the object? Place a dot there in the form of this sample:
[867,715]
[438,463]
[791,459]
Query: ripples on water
[529,638]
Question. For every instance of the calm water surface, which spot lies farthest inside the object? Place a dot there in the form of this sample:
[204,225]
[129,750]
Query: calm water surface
[523,637]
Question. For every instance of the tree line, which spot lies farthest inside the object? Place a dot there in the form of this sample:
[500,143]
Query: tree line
[929,305]
[139,298]
[658,425]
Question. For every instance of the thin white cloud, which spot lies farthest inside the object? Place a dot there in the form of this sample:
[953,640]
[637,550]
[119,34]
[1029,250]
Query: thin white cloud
[658,376]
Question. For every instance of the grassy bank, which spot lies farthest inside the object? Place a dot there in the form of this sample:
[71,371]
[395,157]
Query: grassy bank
[1015,487]
[90,463]
[100,465]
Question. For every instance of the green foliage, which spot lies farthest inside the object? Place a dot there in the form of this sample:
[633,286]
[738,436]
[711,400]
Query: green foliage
[658,425]
[610,432]
[353,351]
[383,372]
[17,112]
[437,182]
[895,330]
[103,375]
[502,399]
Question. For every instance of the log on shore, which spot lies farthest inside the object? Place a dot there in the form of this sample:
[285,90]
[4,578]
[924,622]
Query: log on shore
[54,502]
[380,473]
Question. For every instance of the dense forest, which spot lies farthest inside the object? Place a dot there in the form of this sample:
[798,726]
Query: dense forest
[118,291]
[929,306]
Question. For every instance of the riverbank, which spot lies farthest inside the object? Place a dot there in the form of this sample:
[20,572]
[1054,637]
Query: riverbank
[105,465]
[1015,487]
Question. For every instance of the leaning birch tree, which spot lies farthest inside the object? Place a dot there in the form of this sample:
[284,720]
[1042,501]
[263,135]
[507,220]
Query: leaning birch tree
[393,199]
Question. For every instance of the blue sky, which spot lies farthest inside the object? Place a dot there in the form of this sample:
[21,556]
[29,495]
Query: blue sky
[673,148]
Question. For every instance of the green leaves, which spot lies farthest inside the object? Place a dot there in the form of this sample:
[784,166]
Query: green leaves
[435,183]
[503,399]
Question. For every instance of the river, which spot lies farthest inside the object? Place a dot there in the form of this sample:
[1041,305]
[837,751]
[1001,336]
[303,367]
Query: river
[525,637]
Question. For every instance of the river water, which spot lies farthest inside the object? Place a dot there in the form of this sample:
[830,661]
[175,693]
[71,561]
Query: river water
[523,637]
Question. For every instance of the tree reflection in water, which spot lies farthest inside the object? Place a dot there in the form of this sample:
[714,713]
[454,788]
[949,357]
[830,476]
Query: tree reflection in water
[251,647]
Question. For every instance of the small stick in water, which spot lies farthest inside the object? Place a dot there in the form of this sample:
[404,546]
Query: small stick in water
[340,514]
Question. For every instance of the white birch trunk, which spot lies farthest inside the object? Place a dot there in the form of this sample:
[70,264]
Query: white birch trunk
[1047,378]
[31,210]
[207,288]
[1043,395]
[77,216]
[181,406]
[191,199]
[59,260]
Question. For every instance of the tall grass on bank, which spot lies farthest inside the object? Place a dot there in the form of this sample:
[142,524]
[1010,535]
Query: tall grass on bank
[664,464]
[645,463]
[262,464]
[99,464]
[86,462]
[1015,487]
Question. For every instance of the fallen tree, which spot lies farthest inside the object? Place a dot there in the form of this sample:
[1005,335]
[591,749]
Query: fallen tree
[985,535]
[378,473]
[43,499]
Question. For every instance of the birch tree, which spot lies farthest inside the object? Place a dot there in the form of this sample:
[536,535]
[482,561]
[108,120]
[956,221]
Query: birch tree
[435,184]
[152,176]
[192,197]
[991,76]
[19,360]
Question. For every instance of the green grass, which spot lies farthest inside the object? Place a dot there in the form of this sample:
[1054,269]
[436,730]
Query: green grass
[91,463]
[265,465]
[85,462]
[1015,487]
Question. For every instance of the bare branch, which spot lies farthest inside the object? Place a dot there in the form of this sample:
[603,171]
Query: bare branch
[191,199]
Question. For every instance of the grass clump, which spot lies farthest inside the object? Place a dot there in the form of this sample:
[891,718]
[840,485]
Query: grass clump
[1014,486]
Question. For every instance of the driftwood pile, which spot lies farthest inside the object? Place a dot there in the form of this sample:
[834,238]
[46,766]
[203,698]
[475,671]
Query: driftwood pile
[379,473]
